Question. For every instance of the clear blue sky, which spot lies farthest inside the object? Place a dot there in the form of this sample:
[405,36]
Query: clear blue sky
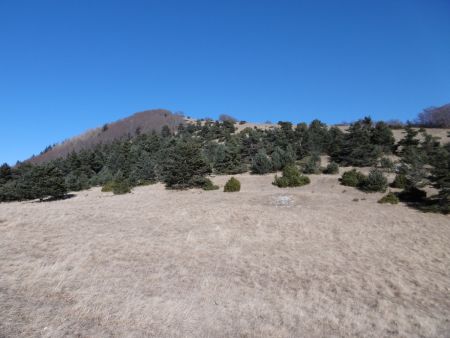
[66,66]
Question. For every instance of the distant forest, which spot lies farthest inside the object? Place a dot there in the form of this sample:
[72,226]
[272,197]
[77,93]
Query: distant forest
[183,158]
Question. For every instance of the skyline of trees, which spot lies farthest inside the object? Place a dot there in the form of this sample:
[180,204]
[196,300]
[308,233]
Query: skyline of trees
[182,159]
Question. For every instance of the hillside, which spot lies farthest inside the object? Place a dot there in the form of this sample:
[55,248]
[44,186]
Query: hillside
[153,120]
[142,122]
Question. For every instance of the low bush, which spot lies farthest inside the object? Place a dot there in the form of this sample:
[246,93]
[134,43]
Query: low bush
[108,187]
[208,185]
[118,186]
[352,178]
[374,182]
[332,168]
[312,165]
[390,198]
[121,187]
[387,164]
[233,185]
[291,178]
[400,181]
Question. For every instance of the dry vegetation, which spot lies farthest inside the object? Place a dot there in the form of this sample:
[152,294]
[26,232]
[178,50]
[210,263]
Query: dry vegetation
[143,122]
[320,260]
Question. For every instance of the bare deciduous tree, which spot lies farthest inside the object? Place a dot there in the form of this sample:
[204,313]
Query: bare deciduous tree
[226,117]
[435,117]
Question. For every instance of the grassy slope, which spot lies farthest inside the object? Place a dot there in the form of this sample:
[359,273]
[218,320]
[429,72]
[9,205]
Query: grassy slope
[262,262]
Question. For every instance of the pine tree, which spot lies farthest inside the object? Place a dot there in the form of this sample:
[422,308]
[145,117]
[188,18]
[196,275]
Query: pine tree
[382,136]
[41,182]
[77,180]
[183,165]
[281,158]
[440,177]
[317,138]
[228,159]
[410,138]
[413,166]
[261,163]
[300,140]
[358,149]
[277,158]
[143,171]
[336,141]
[5,173]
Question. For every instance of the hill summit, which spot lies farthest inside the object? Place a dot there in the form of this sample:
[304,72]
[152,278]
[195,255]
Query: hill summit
[141,122]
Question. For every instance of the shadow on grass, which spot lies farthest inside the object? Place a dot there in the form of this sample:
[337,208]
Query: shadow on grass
[52,199]
[417,199]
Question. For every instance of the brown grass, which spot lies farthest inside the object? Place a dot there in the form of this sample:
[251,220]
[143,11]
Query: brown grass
[300,262]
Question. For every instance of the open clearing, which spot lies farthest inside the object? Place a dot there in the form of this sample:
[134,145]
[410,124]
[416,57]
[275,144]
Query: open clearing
[301,262]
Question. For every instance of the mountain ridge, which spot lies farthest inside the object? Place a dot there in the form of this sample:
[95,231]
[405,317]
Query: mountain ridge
[141,122]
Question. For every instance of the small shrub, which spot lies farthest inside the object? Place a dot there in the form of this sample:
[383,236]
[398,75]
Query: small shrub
[352,178]
[400,181]
[118,186]
[387,164]
[312,165]
[374,182]
[332,168]
[121,187]
[390,198]
[291,178]
[233,185]
[108,187]
[208,185]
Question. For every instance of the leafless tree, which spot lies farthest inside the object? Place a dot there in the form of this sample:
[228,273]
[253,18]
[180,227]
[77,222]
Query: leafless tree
[226,117]
[435,117]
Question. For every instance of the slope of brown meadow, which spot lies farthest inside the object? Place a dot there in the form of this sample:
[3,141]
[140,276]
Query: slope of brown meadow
[302,262]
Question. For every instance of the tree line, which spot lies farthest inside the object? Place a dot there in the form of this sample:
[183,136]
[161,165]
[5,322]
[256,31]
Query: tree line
[184,158]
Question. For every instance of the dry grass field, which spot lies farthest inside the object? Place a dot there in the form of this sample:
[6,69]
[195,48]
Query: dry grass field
[264,262]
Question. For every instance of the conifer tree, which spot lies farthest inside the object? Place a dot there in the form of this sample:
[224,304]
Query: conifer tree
[41,182]
[184,164]
[317,138]
[358,149]
[143,171]
[440,177]
[410,138]
[336,141]
[228,159]
[382,136]
[300,140]
[278,159]
[5,173]
[261,163]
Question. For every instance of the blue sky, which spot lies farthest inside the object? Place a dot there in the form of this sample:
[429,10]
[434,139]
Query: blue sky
[66,66]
